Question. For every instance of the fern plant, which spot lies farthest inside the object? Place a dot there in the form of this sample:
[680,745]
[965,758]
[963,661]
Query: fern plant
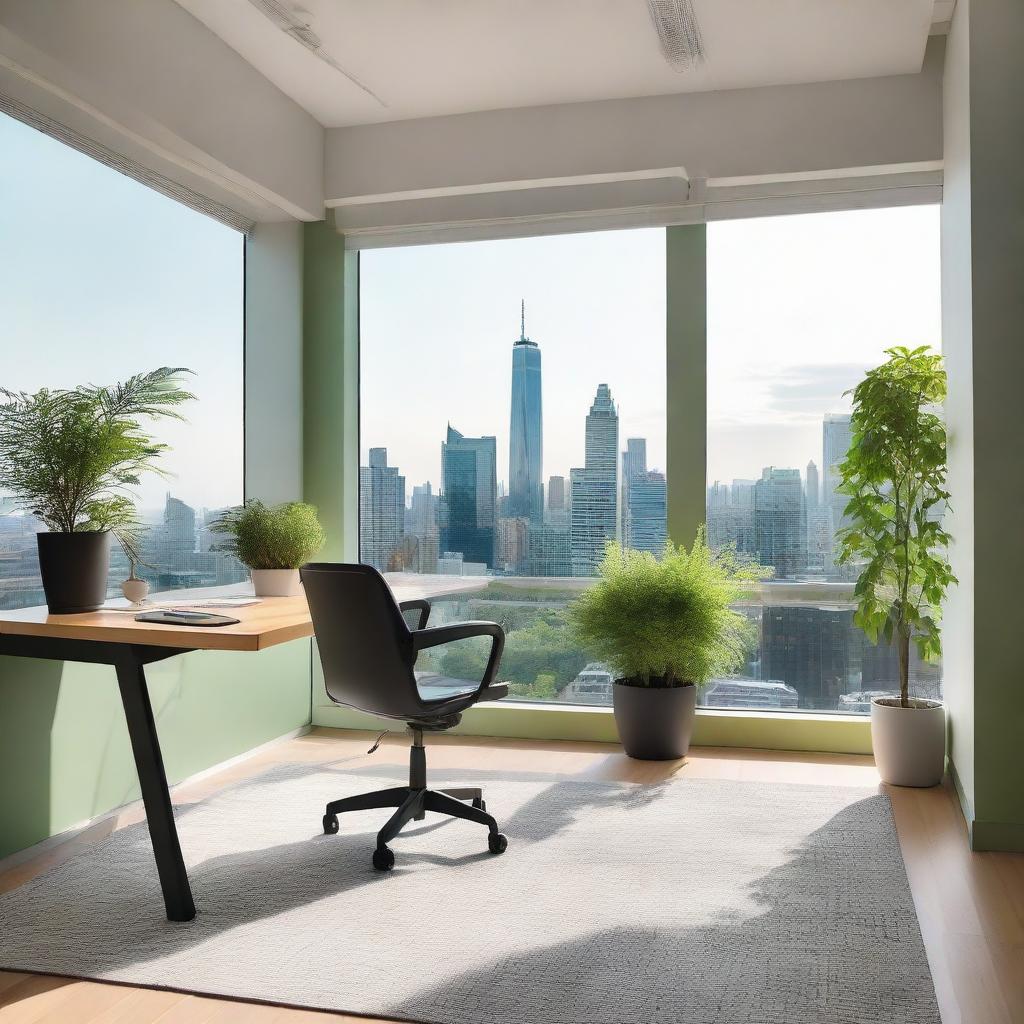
[271,537]
[895,476]
[72,457]
[667,621]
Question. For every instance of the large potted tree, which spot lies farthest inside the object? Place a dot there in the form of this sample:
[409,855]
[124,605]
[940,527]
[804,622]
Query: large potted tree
[71,458]
[895,477]
[666,627]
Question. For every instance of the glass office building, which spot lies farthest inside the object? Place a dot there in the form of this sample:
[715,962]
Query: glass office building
[469,468]
[526,431]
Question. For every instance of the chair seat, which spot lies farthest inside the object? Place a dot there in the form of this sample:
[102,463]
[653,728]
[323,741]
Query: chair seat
[447,693]
[433,686]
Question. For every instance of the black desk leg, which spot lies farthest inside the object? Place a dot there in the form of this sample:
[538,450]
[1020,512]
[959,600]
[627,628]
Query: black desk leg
[131,678]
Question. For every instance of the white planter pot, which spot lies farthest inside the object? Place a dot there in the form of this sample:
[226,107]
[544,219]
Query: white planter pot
[276,582]
[909,743]
[135,590]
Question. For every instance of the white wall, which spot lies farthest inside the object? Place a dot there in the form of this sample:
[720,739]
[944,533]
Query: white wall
[147,79]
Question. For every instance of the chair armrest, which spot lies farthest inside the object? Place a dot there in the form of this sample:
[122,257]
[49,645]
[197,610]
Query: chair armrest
[438,635]
[420,604]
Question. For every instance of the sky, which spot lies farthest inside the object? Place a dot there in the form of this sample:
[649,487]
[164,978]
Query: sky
[798,308]
[102,278]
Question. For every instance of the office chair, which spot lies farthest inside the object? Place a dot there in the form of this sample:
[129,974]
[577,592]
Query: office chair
[368,654]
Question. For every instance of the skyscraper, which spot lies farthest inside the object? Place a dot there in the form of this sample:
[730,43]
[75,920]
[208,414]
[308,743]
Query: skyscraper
[469,469]
[421,519]
[835,443]
[526,443]
[634,458]
[646,513]
[556,493]
[594,488]
[780,525]
[819,524]
[813,488]
[381,510]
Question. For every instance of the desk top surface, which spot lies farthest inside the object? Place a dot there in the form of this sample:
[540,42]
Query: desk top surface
[274,620]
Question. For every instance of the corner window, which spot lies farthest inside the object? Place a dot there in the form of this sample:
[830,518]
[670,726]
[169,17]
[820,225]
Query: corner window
[100,279]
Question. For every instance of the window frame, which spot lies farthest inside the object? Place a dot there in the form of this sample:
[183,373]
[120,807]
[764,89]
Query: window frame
[686,471]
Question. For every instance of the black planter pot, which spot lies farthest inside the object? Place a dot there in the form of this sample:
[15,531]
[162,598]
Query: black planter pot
[654,723]
[74,568]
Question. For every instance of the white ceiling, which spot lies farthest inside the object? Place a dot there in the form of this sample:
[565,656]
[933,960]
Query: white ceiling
[423,58]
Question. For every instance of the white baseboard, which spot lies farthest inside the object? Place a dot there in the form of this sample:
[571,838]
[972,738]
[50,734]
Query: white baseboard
[20,856]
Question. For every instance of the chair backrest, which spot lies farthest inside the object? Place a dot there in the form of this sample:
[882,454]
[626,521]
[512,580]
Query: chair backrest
[365,643]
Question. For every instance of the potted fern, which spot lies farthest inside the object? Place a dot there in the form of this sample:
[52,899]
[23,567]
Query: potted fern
[895,476]
[71,458]
[273,541]
[666,627]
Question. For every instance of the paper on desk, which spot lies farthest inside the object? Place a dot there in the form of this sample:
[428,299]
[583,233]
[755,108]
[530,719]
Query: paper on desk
[201,602]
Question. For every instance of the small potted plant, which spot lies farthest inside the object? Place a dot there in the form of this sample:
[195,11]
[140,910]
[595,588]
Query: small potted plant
[895,476]
[666,628]
[273,541]
[134,589]
[70,458]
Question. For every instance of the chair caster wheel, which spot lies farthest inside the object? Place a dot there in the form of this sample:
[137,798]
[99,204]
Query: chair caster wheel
[330,824]
[496,842]
[383,858]
[480,804]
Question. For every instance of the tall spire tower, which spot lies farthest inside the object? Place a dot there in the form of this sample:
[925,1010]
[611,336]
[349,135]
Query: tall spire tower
[526,444]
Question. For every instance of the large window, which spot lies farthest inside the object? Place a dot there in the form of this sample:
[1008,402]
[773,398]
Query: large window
[102,278]
[798,308]
[505,454]
[512,423]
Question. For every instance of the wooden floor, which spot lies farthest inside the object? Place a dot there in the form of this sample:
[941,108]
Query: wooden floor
[971,906]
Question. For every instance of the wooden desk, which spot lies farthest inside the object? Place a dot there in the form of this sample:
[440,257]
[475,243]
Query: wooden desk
[113,637]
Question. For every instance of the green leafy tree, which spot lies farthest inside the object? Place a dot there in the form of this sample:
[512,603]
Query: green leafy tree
[539,659]
[667,621]
[71,457]
[271,537]
[895,476]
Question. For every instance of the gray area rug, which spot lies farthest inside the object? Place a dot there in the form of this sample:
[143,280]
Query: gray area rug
[705,902]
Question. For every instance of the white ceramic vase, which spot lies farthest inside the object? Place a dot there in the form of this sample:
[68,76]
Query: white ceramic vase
[909,743]
[276,582]
[135,590]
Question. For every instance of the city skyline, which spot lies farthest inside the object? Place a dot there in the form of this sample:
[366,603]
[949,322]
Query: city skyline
[823,296]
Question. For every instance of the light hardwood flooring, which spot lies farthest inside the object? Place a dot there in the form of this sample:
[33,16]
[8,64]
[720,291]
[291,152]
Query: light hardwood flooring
[970,905]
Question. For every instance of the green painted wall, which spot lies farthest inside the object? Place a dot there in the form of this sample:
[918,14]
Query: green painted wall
[331,386]
[686,372]
[64,751]
[983,312]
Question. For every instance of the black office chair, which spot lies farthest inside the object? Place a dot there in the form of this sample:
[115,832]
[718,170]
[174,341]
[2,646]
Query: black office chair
[368,653]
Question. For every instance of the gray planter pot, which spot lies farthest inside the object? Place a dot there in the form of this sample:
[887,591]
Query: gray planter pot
[654,723]
[909,743]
